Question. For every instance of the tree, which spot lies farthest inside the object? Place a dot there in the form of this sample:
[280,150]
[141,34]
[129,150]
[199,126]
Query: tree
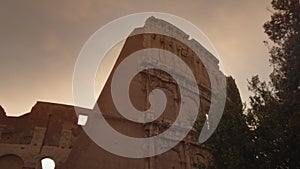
[229,143]
[275,106]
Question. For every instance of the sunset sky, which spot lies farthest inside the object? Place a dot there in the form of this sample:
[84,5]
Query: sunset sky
[40,41]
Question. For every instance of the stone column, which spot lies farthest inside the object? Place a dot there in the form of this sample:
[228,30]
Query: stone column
[2,127]
[187,156]
[38,136]
[65,139]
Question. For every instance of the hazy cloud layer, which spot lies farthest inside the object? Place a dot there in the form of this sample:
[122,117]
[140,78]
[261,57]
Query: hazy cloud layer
[40,41]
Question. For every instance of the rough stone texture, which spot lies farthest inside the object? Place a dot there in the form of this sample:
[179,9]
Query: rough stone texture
[51,130]
[2,112]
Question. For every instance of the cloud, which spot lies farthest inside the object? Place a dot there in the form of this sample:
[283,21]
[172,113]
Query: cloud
[41,40]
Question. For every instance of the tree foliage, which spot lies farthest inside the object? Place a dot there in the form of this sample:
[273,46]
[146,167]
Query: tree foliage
[275,106]
[229,143]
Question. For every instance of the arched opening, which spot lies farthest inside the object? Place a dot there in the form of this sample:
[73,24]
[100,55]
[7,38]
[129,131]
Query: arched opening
[48,163]
[11,161]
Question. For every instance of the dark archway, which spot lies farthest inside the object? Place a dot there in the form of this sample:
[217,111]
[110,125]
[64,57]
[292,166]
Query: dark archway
[11,161]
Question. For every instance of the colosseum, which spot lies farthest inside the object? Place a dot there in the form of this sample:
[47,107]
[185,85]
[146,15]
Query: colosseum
[52,130]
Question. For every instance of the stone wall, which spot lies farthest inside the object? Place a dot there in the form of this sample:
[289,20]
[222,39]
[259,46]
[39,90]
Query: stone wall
[51,130]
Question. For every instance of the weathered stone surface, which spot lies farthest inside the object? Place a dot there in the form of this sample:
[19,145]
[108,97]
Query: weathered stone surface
[51,130]
[2,113]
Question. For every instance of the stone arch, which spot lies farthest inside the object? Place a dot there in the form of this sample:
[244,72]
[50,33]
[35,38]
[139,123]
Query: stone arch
[39,164]
[169,160]
[47,163]
[11,161]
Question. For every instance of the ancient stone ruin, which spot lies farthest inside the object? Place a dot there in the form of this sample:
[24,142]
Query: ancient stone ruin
[52,130]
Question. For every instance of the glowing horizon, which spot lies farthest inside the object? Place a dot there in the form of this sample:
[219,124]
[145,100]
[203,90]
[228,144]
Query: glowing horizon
[40,45]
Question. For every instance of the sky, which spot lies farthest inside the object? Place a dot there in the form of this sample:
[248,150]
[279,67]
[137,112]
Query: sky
[40,41]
